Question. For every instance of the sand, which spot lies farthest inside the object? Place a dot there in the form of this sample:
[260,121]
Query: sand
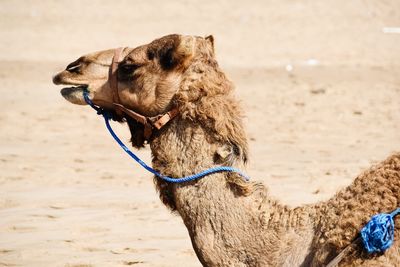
[320,83]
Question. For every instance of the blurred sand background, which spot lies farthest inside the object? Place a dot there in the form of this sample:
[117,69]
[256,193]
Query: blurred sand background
[320,82]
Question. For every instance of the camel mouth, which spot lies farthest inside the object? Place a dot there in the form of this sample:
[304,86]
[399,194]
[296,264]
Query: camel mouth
[74,94]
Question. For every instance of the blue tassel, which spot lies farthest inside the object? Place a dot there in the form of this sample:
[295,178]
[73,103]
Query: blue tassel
[378,234]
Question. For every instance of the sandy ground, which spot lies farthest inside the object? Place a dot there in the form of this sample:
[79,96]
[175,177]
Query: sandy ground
[70,197]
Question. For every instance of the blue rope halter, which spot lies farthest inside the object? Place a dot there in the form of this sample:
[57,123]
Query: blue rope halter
[107,118]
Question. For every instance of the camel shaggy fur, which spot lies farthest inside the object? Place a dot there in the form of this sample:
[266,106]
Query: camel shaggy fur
[231,222]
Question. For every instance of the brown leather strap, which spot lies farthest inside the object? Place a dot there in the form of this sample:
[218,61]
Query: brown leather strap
[149,122]
[148,128]
[112,75]
[335,262]
[161,120]
[136,116]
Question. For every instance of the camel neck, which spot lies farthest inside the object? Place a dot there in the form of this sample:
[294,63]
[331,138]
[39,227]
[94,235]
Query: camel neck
[220,222]
[219,218]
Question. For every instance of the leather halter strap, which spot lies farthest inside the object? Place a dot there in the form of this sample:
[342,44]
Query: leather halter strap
[149,122]
[112,73]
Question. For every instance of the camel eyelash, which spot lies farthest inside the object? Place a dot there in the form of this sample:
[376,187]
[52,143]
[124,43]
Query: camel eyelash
[130,67]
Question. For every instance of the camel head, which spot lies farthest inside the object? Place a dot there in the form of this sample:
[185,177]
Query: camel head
[148,77]
[174,71]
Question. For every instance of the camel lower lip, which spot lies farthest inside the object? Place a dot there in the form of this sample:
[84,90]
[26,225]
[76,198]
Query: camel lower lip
[74,94]
[72,90]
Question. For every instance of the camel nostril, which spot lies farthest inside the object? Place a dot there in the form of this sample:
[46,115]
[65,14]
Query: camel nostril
[56,79]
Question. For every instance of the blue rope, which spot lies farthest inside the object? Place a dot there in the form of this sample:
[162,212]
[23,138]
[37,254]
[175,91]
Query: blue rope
[378,234]
[107,117]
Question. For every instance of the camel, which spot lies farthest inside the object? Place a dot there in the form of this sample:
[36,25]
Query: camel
[231,222]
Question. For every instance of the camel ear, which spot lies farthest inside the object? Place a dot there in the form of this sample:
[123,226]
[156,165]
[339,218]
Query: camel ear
[210,41]
[185,49]
[223,152]
[228,154]
[177,52]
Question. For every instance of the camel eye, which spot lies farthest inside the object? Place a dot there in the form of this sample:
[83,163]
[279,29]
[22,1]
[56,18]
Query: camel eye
[129,68]
[126,71]
[150,55]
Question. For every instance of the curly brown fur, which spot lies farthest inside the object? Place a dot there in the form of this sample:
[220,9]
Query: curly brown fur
[137,132]
[205,96]
[374,191]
